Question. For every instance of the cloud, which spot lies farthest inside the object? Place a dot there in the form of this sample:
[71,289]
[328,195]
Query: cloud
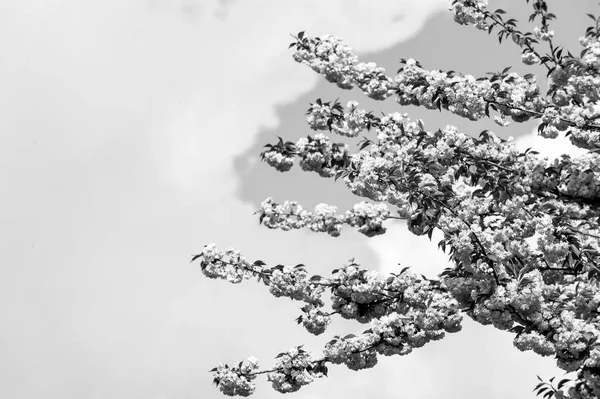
[551,148]
[248,69]
[399,248]
[120,123]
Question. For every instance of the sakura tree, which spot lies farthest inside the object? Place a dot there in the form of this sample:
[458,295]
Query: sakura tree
[521,230]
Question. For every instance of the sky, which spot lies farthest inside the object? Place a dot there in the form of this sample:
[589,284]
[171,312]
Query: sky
[130,136]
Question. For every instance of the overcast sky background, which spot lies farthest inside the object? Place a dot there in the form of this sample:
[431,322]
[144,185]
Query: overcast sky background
[129,138]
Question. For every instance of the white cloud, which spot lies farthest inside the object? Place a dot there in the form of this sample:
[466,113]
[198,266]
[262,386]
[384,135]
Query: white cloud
[399,245]
[551,148]
[119,123]
[249,70]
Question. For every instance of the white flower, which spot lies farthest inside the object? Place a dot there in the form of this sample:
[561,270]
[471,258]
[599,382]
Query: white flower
[529,58]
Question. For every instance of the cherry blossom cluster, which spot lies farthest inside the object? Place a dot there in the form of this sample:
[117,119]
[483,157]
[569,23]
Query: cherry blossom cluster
[469,12]
[543,34]
[591,57]
[506,93]
[575,93]
[293,369]
[397,135]
[278,160]
[501,236]
[405,311]
[367,217]
[569,176]
[323,116]
[280,156]
[327,55]
[417,86]
[364,287]
[530,58]
[549,322]
[467,96]
[356,293]
[229,265]
[572,176]
[572,98]
[314,319]
[475,13]
[523,231]
[233,381]
[575,177]
[393,334]
[294,283]
[317,154]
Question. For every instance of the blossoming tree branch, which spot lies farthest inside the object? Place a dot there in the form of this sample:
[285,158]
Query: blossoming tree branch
[521,230]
